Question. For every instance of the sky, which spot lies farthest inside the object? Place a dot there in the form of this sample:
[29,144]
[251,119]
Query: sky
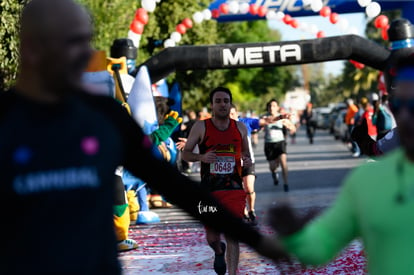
[356,20]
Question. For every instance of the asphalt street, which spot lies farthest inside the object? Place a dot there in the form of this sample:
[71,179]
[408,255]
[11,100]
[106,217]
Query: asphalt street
[177,244]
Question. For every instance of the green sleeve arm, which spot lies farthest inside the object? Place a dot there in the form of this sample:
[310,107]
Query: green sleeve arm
[327,235]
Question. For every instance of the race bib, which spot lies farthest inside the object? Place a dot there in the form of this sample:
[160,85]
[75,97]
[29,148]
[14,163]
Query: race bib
[223,165]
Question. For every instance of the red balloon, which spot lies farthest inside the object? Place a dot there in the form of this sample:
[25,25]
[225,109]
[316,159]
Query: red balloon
[287,19]
[187,23]
[381,21]
[334,18]
[137,27]
[262,11]
[215,13]
[224,8]
[357,64]
[253,9]
[384,32]
[325,11]
[141,15]
[181,28]
[294,23]
[320,34]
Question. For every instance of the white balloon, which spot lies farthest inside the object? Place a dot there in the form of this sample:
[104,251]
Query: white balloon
[271,15]
[313,29]
[135,38]
[353,30]
[198,17]
[207,14]
[303,26]
[176,37]
[244,8]
[169,43]
[343,24]
[364,3]
[149,5]
[280,15]
[316,5]
[373,10]
[233,7]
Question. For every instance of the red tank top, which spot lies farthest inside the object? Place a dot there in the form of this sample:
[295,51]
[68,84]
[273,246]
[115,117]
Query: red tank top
[225,173]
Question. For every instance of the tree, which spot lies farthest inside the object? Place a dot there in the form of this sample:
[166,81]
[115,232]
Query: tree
[9,42]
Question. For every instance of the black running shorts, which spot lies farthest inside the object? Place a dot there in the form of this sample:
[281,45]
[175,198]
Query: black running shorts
[274,150]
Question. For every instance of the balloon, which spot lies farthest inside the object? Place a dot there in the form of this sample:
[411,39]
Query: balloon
[141,15]
[271,15]
[287,19]
[176,37]
[244,8]
[187,23]
[169,43]
[198,17]
[364,3]
[149,5]
[137,27]
[224,8]
[207,14]
[181,29]
[316,5]
[215,13]
[280,15]
[325,11]
[294,23]
[304,26]
[384,32]
[353,30]
[262,11]
[381,21]
[134,37]
[334,18]
[253,9]
[313,29]
[343,24]
[234,7]
[373,9]
[320,34]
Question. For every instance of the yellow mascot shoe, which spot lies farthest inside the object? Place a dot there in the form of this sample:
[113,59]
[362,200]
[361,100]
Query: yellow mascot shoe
[126,245]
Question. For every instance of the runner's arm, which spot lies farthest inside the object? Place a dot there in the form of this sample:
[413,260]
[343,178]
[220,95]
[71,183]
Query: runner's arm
[247,161]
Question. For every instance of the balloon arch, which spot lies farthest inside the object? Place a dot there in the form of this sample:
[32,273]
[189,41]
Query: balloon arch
[349,46]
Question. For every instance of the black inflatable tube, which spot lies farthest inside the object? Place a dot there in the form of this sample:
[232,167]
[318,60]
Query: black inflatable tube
[211,57]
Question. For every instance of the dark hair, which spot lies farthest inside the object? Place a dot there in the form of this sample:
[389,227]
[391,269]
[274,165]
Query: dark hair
[221,89]
[270,102]
[233,106]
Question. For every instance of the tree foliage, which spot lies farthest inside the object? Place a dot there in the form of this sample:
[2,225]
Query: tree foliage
[9,42]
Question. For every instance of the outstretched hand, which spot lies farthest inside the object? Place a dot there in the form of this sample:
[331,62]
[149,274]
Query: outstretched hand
[286,221]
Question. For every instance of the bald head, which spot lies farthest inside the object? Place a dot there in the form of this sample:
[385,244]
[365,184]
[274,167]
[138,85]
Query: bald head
[55,40]
[47,17]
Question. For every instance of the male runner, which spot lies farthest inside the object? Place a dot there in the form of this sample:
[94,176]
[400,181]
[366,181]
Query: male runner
[223,146]
[59,148]
[275,142]
[376,202]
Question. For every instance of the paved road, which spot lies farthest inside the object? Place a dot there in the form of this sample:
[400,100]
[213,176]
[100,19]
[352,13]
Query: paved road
[177,244]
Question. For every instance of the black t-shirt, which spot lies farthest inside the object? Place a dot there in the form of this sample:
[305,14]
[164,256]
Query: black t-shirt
[57,184]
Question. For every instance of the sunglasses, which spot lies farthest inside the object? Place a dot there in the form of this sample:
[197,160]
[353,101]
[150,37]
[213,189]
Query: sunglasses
[397,104]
